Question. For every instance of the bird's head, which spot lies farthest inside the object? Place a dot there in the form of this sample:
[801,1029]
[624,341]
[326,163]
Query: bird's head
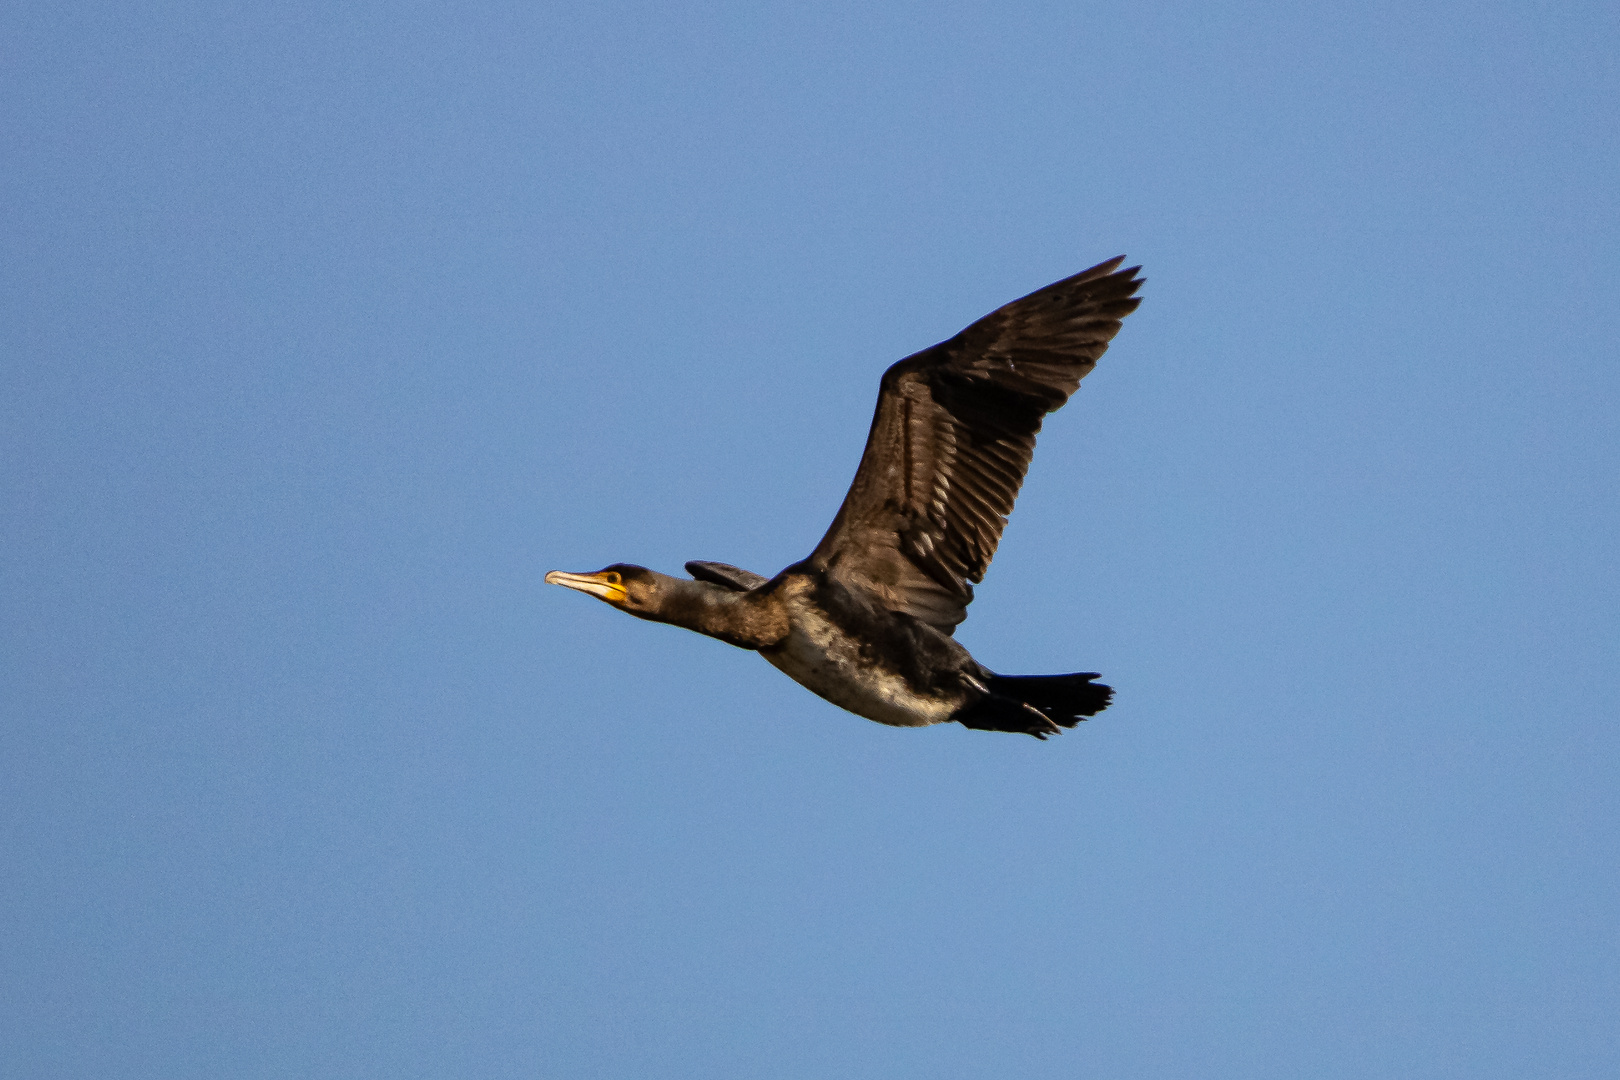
[627,587]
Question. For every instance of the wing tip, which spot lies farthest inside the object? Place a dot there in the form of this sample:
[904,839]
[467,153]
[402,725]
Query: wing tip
[1108,270]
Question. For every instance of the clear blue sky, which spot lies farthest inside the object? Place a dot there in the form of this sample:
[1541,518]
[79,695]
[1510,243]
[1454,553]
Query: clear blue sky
[327,329]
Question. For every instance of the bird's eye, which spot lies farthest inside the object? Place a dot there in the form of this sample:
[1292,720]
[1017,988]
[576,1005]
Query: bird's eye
[614,579]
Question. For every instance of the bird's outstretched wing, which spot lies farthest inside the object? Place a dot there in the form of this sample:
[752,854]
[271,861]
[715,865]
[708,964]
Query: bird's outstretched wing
[734,578]
[952,438]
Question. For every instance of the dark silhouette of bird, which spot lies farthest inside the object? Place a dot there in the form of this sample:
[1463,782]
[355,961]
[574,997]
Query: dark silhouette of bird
[866,620]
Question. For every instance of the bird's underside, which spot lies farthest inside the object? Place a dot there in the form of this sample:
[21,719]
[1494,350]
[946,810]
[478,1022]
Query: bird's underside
[866,620]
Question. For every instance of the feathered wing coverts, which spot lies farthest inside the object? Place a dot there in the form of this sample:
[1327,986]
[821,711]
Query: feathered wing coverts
[952,439]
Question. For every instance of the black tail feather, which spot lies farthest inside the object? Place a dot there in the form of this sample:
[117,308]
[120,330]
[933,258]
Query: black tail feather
[1038,705]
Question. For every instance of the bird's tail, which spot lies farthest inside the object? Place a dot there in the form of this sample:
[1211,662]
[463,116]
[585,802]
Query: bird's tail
[1038,705]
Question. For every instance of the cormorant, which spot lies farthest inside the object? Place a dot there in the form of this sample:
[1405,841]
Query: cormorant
[866,620]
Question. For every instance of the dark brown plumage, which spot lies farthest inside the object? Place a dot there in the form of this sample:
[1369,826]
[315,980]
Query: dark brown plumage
[953,437]
[865,621]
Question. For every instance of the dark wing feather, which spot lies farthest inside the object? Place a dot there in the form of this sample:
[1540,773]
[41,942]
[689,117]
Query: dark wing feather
[952,438]
[734,578]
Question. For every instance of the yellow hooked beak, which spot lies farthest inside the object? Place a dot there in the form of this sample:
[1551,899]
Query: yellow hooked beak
[604,584]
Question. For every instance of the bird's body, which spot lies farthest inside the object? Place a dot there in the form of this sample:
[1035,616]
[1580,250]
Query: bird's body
[866,620]
[880,664]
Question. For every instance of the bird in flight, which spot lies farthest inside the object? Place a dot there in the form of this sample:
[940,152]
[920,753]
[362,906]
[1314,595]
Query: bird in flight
[866,620]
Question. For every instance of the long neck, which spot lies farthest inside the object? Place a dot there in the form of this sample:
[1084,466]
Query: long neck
[748,620]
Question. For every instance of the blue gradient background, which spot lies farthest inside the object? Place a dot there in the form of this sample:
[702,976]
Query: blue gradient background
[326,330]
